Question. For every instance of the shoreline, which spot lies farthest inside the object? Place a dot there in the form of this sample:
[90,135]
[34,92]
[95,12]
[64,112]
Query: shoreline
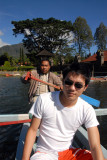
[11,73]
[19,73]
[102,79]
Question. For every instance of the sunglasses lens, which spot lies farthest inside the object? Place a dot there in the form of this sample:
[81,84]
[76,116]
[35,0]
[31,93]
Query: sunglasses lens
[78,85]
[68,83]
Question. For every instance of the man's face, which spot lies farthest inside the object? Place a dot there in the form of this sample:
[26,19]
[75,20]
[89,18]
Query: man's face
[73,86]
[45,66]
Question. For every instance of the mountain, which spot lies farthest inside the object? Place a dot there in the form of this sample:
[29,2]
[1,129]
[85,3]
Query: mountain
[13,50]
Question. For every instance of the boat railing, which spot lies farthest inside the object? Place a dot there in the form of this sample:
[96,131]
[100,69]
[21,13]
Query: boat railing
[81,136]
[80,140]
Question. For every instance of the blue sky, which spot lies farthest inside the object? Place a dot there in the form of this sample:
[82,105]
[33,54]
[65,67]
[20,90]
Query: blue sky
[94,11]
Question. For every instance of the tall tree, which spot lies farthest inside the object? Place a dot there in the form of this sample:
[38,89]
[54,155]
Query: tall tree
[20,58]
[65,55]
[100,36]
[50,34]
[23,58]
[83,35]
[12,61]
[3,58]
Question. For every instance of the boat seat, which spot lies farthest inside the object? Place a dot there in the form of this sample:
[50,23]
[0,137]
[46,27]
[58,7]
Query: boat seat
[22,136]
[25,127]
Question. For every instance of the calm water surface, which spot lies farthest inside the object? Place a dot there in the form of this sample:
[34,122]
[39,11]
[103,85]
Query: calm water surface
[98,90]
[13,99]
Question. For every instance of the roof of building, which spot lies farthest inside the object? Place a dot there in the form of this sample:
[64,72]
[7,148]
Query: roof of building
[94,57]
[44,53]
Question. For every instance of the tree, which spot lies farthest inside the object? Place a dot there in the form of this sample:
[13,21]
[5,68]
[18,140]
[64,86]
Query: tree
[7,64]
[83,35]
[66,53]
[4,58]
[50,34]
[100,36]
[6,55]
[22,57]
[12,61]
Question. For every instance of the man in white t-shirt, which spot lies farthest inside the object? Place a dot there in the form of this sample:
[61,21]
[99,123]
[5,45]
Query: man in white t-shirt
[58,115]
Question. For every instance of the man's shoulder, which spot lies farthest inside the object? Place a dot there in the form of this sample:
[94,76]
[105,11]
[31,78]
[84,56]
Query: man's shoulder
[83,102]
[49,94]
[34,71]
[85,106]
[53,74]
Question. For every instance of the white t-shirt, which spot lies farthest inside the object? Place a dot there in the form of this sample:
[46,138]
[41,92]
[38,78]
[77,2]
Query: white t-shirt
[59,123]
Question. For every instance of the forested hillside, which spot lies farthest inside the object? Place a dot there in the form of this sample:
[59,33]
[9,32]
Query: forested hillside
[13,50]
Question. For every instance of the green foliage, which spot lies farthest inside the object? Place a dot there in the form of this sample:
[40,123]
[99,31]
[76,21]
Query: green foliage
[100,36]
[25,68]
[49,34]
[12,50]
[68,58]
[32,57]
[22,57]
[58,37]
[3,68]
[12,61]
[65,56]
[3,58]
[7,64]
[83,35]
[20,68]
[6,55]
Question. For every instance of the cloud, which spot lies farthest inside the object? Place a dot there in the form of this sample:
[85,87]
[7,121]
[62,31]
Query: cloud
[1,33]
[6,14]
[3,43]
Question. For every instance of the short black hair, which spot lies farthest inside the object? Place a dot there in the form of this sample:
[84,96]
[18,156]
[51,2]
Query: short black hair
[45,59]
[79,68]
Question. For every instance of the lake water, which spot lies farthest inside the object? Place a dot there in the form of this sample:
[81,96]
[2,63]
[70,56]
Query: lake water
[13,99]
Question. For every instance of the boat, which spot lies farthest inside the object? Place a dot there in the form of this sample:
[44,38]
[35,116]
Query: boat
[99,79]
[9,75]
[81,137]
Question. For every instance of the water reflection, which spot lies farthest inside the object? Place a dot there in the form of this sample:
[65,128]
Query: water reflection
[13,95]
[13,99]
[98,91]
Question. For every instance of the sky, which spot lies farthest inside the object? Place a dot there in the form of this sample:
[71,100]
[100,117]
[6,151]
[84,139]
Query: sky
[94,11]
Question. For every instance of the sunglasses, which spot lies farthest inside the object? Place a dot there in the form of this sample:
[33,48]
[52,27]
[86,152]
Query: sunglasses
[77,85]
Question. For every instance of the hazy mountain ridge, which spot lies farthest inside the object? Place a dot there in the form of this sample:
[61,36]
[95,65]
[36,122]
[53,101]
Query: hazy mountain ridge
[13,50]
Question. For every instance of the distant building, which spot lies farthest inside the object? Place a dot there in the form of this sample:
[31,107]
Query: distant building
[45,54]
[99,62]
[77,58]
[99,57]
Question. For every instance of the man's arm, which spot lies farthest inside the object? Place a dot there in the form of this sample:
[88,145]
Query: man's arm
[30,138]
[57,80]
[23,78]
[94,141]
